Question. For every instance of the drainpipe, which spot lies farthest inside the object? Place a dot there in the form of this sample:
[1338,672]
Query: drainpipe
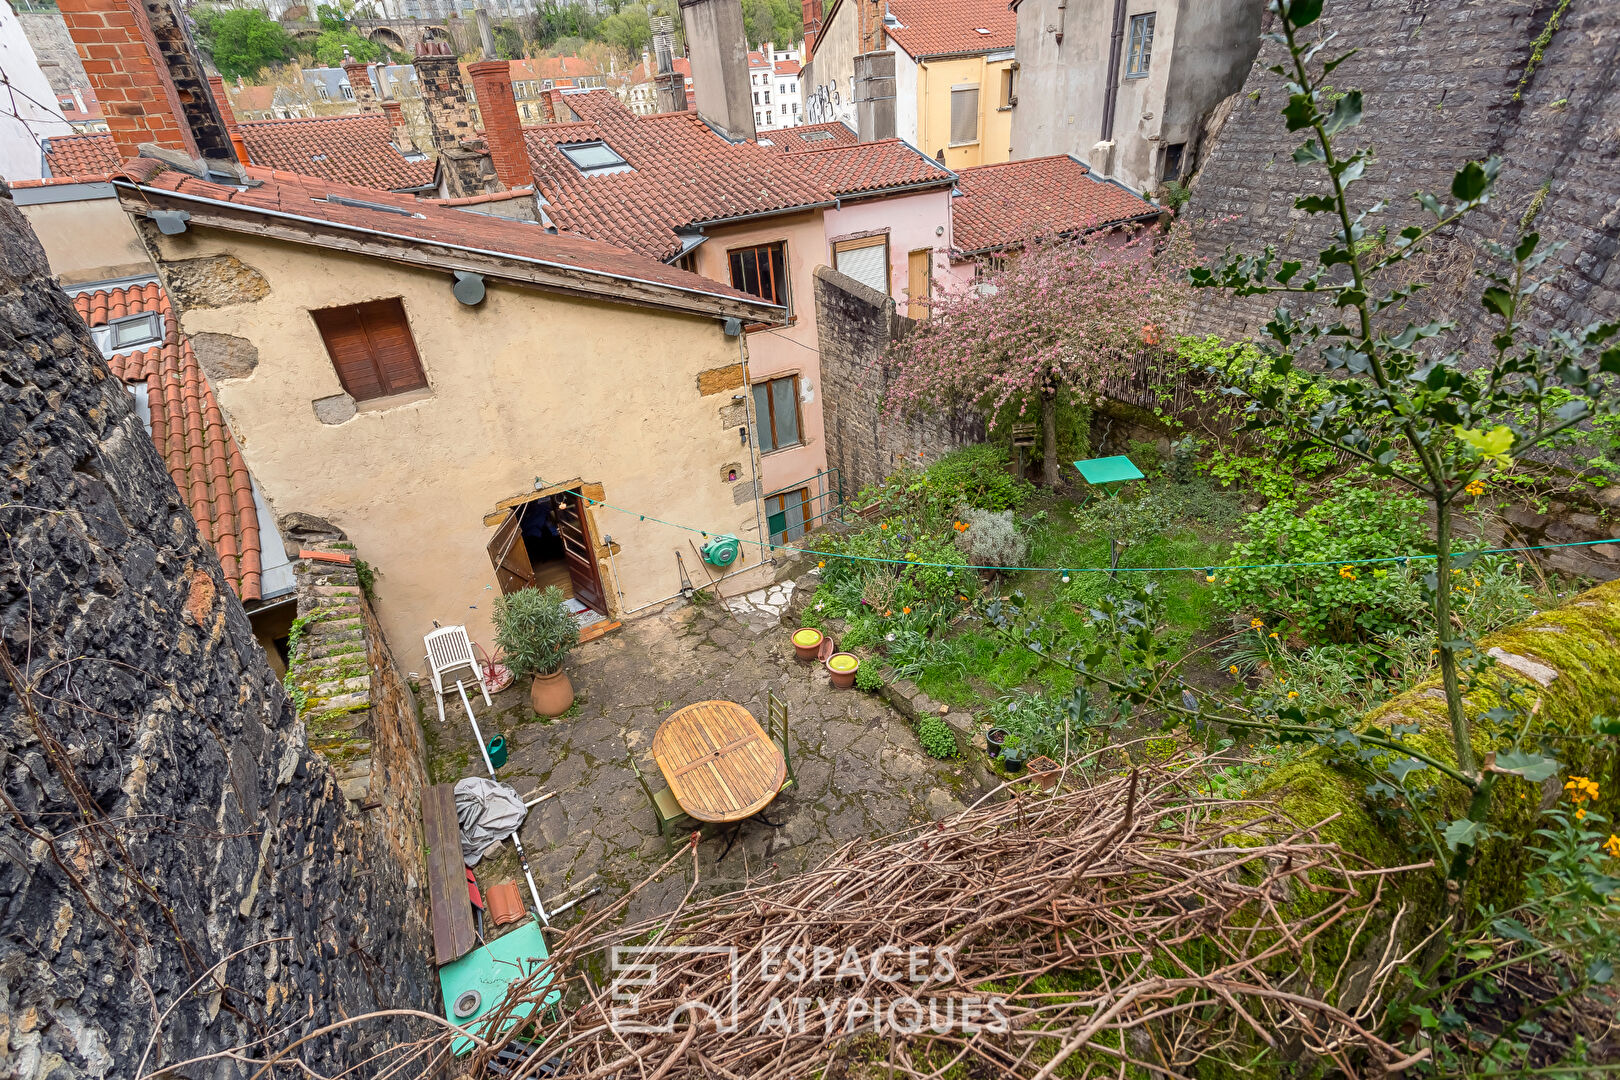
[1116,44]
[1063,14]
[753,451]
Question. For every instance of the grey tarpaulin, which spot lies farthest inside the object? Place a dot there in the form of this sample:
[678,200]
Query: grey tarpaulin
[489,812]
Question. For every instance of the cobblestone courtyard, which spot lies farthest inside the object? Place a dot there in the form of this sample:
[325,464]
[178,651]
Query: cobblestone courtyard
[861,773]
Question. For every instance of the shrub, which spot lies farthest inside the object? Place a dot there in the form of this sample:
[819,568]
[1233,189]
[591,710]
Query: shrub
[974,476]
[868,679]
[1033,722]
[938,741]
[1334,601]
[534,631]
[991,539]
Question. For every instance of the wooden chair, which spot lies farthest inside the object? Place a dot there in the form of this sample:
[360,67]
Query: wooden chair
[665,808]
[776,719]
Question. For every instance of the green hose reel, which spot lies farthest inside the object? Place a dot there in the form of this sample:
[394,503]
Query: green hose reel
[721,551]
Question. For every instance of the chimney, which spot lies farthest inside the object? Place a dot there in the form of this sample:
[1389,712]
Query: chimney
[359,76]
[871,29]
[147,77]
[503,130]
[396,125]
[223,102]
[670,85]
[718,49]
[874,96]
[443,95]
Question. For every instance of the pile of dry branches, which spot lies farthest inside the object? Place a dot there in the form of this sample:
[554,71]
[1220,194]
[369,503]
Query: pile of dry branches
[1135,920]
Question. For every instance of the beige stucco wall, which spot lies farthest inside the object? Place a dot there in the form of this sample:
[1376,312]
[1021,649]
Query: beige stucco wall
[526,384]
[786,350]
[87,239]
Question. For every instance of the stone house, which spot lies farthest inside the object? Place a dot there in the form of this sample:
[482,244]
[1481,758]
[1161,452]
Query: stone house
[458,392]
[947,68]
[1128,87]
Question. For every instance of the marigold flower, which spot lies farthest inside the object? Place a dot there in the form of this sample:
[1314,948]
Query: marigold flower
[905,611]
[1233,669]
[1292,694]
[1257,623]
[1476,488]
[1273,634]
[1612,845]
[886,614]
[883,524]
[823,562]
[1579,813]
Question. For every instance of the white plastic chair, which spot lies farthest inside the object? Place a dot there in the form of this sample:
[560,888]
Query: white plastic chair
[448,649]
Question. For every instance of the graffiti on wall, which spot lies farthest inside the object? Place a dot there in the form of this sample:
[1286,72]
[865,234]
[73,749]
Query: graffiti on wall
[824,104]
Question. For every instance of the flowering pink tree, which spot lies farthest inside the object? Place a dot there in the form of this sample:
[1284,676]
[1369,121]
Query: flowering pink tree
[1053,319]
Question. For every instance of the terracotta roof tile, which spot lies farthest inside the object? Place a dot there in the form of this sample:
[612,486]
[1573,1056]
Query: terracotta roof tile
[946,27]
[681,172]
[787,67]
[81,155]
[810,136]
[871,167]
[1006,204]
[353,149]
[189,431]
[424,221]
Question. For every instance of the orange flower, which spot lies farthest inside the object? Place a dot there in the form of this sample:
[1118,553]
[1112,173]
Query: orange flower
[905,611]
[1612,845]
[886,614]
[883,524]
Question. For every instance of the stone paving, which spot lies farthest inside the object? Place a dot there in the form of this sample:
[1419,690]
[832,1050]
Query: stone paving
[861,773]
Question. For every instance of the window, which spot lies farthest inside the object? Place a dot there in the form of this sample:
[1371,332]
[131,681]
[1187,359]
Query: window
[134,331]
[776,413]
[371,348]
[1173,155]
[762,271]
[323,93]
[1141,54]
[594,157]
[787,514]
[964,115]
[347,91]
[767,97]
[1008,97]
[814,136]
[866,260]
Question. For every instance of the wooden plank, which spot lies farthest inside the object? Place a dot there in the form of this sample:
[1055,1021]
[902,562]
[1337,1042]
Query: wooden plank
[453,935]
[497,515]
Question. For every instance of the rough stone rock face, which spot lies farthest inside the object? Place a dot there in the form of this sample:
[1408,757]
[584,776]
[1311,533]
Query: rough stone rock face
[161,809]
[225,356]
[212,281]
[1443,83]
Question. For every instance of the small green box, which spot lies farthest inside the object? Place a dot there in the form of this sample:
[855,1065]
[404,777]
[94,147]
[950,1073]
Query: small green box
[490,969]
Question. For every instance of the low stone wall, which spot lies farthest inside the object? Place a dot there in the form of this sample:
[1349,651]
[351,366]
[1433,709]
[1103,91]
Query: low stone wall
[856,325]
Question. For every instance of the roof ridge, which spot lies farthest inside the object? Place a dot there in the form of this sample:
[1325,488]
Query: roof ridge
[1028,161]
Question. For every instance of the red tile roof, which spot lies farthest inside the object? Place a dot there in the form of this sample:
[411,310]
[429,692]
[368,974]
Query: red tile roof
[81,155]
[681,172]
[354,149]
[946,27]
[787,67]
[797,138]
[1003,205]
[871,167]
[423,222]
[189,431]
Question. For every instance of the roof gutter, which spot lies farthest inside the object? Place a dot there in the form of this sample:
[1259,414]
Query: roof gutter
[1067,234]
[830,203]
[416,240]
[878,193]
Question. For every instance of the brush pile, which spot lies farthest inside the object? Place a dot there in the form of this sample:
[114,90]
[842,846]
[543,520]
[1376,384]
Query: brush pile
[1130,921]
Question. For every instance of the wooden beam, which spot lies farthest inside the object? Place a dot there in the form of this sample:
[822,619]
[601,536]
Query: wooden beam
[498,515]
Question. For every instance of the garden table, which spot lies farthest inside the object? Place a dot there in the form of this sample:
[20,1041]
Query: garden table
[718,761]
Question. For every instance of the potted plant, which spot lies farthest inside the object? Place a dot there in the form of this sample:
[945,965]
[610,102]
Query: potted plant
[995,738]
[1014,752]
[534,631]
[841,668]
[806,643]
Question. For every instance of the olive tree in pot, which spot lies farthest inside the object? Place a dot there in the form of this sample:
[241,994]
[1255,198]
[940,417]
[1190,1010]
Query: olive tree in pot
[534,632]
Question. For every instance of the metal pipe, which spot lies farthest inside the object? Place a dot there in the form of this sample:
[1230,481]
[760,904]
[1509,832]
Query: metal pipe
[753,449]
[1116,45]
[479,735]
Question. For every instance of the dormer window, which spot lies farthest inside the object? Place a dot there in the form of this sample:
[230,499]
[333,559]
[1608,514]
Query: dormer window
[594,158]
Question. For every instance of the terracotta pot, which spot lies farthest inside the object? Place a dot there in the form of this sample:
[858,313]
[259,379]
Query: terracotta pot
[806,643]
[843,679]
[551,695]
[1044,771]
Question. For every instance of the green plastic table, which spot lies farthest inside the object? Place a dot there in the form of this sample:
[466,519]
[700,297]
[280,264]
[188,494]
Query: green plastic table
[490,969]
[1109,470]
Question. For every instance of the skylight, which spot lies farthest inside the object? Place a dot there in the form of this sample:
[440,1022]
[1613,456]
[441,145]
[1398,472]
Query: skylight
[594,158]
[981,30]
[816,136]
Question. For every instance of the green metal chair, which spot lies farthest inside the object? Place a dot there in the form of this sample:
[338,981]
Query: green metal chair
[665,808]
[776,727]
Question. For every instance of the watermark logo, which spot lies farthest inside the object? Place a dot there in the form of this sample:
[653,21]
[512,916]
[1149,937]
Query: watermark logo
[814,990]
[635,968]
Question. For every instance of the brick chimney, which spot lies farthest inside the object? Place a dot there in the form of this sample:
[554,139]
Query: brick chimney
[812,24]
[396,125]
[222,102]
[503,130]
[147,77]
[439,76]
[359,76]
[718,49]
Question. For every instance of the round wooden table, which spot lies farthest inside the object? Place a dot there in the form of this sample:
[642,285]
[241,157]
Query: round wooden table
[718,761]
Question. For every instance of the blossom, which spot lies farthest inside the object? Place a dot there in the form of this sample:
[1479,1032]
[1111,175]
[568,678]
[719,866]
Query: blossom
[1581,789]
[883,524]
[1257,624]
[1347,573]
[1233,669]
[1476,488]
[1292,694]
[905,611]
[1272,634]
[1612,845]
[823,562]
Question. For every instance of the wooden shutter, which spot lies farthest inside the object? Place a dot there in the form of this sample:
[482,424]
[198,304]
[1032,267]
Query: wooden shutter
[371,348]
[919,268]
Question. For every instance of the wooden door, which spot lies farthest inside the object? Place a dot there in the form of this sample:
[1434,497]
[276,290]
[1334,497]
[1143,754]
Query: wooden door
[512,567]
[920,282]
[580,551]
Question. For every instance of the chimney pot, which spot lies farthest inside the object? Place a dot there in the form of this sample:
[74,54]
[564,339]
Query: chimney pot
[503,129]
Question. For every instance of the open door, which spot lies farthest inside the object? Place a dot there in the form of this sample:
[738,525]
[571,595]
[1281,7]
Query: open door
[580,551]
[513,569]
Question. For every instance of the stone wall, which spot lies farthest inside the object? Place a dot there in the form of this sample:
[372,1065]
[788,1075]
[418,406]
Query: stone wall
[1443,83]
[856,325]
[165,824]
